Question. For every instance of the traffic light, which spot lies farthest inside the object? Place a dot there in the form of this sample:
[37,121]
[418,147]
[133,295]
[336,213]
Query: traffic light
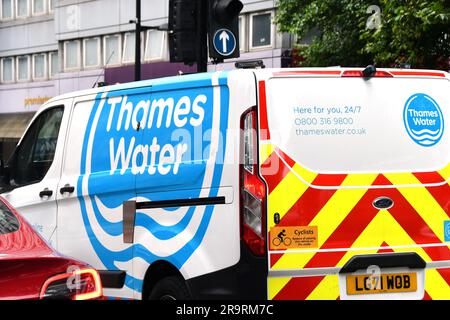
[223,28]
[191,22]
[183,36]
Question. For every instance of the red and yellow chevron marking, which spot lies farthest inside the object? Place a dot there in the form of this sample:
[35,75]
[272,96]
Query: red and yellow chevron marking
[348,224]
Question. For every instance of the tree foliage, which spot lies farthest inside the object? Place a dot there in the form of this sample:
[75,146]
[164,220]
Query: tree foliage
[352,33]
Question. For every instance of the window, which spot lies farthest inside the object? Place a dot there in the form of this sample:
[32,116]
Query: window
[91,53]
[23,68]
[72,55]
[39,66]
[38,7]
[54,64]
[154,48]
[242,33]
[112,45]
[128,50]
[21,8]
[8,221]
[7,70]
[34,155]
[261,30]
[6,9]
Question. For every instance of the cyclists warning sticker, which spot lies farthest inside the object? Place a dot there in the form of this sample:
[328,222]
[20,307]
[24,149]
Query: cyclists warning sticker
[282,238]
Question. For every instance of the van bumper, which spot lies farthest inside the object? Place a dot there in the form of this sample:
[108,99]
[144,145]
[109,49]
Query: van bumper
[245,280]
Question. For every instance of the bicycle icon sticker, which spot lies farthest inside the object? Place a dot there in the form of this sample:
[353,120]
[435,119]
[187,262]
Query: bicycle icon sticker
[282,238]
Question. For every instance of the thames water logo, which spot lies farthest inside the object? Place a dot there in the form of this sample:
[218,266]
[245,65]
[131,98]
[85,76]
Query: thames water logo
[447,230]
[423,120]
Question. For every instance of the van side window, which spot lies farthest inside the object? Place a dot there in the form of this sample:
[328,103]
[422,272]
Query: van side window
[34,155]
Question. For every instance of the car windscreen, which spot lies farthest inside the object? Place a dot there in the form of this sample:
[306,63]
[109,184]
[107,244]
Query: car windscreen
[8,221]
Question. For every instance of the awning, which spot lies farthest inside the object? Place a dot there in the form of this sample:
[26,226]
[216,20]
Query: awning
[13,125]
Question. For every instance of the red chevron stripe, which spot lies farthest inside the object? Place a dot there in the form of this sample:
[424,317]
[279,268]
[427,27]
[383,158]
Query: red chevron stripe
[264,126]
[274,171]
[429,177]
[426,296]
[385,248]
[274,257]
[347,232]
[323,180]
[310,203]
[322,259]
[440,193]
[413,224]
[298,288]
[306,208]
[445,273]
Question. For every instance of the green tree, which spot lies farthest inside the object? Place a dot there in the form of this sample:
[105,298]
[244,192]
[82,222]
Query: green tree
[361,32]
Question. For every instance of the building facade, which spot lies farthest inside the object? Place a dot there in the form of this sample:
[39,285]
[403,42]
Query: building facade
[50,47]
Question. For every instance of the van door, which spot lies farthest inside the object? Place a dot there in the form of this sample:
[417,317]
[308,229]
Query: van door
[357,171]
[35,168]
[92,190]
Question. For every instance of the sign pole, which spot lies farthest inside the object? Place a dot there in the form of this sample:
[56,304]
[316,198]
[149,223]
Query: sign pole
[137,53]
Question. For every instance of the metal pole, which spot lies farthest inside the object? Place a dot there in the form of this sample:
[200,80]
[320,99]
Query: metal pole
[202,48]
[137,53]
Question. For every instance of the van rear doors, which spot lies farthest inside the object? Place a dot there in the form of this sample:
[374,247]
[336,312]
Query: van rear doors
[357,173]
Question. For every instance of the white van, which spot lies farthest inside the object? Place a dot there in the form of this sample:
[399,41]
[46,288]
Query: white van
[274,183]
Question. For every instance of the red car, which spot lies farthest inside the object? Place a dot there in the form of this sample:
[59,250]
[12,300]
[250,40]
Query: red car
[31,269]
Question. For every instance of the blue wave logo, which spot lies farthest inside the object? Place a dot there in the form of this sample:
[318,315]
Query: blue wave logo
[447,230]
[423,120]
[120,163]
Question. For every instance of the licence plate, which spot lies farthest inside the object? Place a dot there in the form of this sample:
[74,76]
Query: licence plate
[382,283]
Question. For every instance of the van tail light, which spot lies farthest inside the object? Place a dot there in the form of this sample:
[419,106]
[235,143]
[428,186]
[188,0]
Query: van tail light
[252,188]
[81,284]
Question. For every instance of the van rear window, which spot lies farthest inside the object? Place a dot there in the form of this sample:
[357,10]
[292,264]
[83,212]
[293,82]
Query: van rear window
[353,125]
[8,221]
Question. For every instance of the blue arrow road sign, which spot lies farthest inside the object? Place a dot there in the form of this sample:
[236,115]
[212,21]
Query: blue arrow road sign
[224,42]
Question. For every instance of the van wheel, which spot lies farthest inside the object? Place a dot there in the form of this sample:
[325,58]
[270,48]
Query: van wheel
[170,288]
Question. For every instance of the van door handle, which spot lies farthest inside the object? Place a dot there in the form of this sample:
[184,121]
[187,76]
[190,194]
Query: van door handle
[45,193]
[67,188]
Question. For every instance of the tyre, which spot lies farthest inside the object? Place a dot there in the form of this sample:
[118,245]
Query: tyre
[170,288]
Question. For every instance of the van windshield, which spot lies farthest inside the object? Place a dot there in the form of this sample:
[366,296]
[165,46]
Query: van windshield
[353,125]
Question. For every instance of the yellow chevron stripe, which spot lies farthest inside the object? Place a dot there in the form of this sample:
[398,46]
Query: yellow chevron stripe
[383,228]
[393,234]
[306,175]
[422,201]
[340,205]
[265,150]
[329,218]
[275,285]
[445,172]
[328,289]
[436,286]
[286,194]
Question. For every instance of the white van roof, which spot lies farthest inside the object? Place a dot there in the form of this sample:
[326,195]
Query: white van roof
[270,72]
